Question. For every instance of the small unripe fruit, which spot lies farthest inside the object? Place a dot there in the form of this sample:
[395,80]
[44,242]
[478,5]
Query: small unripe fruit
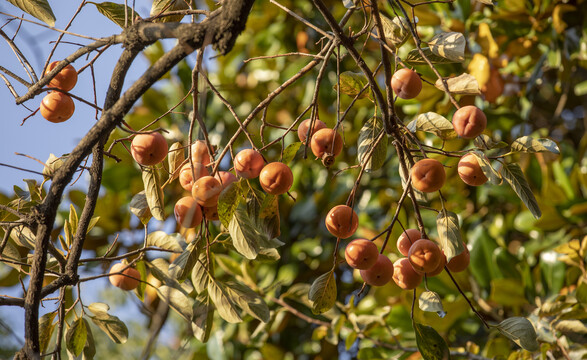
[187,212]
[128,279]
[326,141]
[460,262]
[206,191]
[406,83]
[424,255]
[225,178]
[404,275]
[469,122]
[276,178]
[380,273]
[428,175]
[305,125]
[470,171]
[186,177]
[248,163]
[342,221]
[57,107]
[149,149]
[65,79]
[200,153]
[361,254]
[406,239]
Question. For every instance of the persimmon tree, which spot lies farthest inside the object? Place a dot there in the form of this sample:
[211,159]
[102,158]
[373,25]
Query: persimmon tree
[445,133]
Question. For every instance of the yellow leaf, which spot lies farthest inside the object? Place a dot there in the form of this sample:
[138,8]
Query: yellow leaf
[557,16]
[488,44]
[479,68]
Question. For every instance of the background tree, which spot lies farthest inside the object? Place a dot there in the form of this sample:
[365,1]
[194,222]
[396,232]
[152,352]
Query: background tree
[268,279]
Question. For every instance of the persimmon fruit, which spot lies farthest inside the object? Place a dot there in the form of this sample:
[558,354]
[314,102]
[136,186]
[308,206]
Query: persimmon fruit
[206,191]
[470,171]
[342,221]
[225,178]
[469,122]
[406,239]
[149,149]
[126,279]
[406,83]
[305,125]
[57,107]
[65,79]
[186,177]
[276,178]
[200,153]
[248,163]
[428,175]
[460,262]
[380,273]
[361,254]
[424,255]
[404,275]
[187,212]
[326,141]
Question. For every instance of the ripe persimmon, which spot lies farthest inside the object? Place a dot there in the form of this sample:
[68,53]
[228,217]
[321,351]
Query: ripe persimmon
[187,212]
[225,178]
[248,163]
[424,255]
[342,221]
[470,171]
[57,107]
[406,239]
[428,175]
[305,125]
[276,178]
[326,141]
[126,279]
[406,83]
[404,275]
[200,153]
[206,191]
[380,273]
[187,178]
[460,262]
[65,79]
[469,122]
[149,149]
[361,254]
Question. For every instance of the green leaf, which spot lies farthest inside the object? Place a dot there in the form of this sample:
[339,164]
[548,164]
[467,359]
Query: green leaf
[163,6]
[449,45]
[159,268]
[246,239]
[449,234]
[520,331]
[430,301]
[415,58]
[323,293]
[140,207]
[164,241]
[90,347]
[37,8]
[175,159]
[581,88]
[76,336]
[367,144]
[530,145]
[464,84]
[352,83]
[512,173]
[200,273]
[228,202]
[182,266]
[396,30]
[571,327]
[488,170]
[153,192]
[120,14]
[177,300]
[142,269]
[227,308]
[431,345]
[46,328]
[112,326]
[484,142]
[73,219]
[290,152]
[248,300]
[203,317]
[433,123]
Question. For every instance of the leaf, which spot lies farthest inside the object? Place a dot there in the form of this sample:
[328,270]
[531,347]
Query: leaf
[352,83]
[571,327]
[52,164]
[290,152]
[182,266]
[488,170]
[430,301]
[484,142]
[415,58]
[164,241]
[396,30]
[175,157]
[433,123]
[449,45]
[177,300]
[263,210]
[112,326]
[159,268]
[367,141]
[140,207]
[464,84]
[153,192]
[163,6]
[46,328]
[73,219]
[120,14]
[528,144]
[431,345]
[76,336]
[487,2]
[23,236]
[248,300]
[323,293]
[203,317]
[226,307]
[200,274]
[37,8]
[520,331]
[449,234]
[140,290]
[98,308]
[512,173]
[246,239]
[90,347]
[228,202]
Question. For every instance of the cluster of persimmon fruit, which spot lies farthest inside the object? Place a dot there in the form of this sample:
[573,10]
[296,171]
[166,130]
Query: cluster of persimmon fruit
[57,106]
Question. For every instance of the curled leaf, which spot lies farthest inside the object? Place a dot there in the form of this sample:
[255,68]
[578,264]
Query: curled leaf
[520,331]
[464,84]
